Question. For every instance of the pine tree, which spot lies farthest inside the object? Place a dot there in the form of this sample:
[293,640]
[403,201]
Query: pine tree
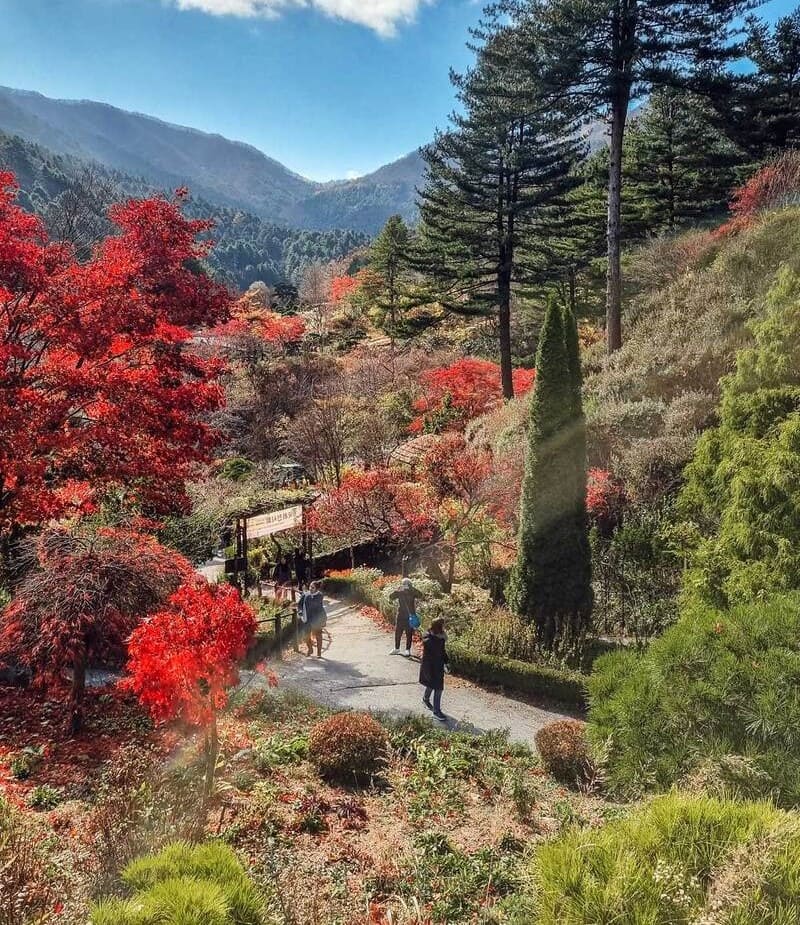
[677,166]
[388,257]
[608,53]
[766,111]
[550,584]
[494,185]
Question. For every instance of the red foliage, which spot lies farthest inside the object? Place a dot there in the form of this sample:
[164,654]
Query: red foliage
[83,600]
[464,390]
[455,470]
[343,286]
[182,659]
[376,503]
[97,386]
[605,499]
[30,719]
[777,184]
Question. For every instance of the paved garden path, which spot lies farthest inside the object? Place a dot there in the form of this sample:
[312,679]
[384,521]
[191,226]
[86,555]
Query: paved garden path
[356,672]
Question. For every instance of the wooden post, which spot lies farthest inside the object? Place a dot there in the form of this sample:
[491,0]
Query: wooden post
[244,555]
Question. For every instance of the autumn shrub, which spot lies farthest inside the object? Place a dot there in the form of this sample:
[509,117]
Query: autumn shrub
[717,683]
[348,747]
[140,805]
[29,883]
[185,883]
[564,750]
[679,860]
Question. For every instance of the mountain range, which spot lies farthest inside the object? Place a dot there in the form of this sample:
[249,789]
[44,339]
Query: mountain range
[229,173]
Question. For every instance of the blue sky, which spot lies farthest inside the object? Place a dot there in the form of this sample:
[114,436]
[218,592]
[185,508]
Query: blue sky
[328,87]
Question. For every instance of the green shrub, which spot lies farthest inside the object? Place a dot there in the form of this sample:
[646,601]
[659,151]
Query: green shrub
[564,750]
[185,885]
[44,797]
[26,762]
[742,488]
[717,683]
[348,747]
[679,860]
[558,684]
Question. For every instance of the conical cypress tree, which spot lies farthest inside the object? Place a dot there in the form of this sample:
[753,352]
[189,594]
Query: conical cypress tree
[550,582]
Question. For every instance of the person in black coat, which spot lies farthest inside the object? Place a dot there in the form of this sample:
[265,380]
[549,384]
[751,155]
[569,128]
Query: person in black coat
[282,576]
[301,567]
[434,666]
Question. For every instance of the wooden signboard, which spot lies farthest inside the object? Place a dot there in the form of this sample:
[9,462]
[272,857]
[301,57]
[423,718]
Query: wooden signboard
[275,522]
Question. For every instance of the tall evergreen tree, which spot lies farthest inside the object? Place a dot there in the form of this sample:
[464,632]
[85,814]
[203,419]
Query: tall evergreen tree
[388,257]
[677,166]
[608,53]
[769,114]
[550,584]
[494,186]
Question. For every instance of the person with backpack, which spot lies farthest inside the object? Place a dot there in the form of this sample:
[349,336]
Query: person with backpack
[406,620]
[433,667]
[312,617]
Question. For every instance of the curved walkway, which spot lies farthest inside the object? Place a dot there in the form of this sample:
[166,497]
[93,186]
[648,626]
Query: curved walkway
[356,672]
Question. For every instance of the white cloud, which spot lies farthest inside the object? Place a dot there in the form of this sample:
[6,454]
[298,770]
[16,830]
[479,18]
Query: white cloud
[384,16]
[352,175]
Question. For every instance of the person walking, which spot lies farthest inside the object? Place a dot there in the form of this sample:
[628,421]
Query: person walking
[301,568]
[433,668]
[312,615]
[282,577]
[406,596]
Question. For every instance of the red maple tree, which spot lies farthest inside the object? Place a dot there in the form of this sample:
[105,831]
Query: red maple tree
[98,388]
[376,504]
[455,394]
[81,601]
[182,660]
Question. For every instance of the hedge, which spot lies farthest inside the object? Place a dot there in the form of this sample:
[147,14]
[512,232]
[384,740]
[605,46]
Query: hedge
[560,684]
[567,687]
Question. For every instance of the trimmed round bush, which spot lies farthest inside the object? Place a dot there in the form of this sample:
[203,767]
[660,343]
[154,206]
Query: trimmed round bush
[564,750]
[348,746]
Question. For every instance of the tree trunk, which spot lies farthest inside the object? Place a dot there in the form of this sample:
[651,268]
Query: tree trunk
[451,571]
[77,692]
[212,753]
[504,324]
[619,114]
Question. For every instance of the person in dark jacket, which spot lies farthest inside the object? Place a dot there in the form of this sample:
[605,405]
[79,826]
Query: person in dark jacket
[433,668]
[406,596]
[312,616]
[282,576]
[301,568]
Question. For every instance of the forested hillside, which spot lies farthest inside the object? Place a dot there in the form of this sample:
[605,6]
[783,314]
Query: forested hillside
[225,172]
[67,191]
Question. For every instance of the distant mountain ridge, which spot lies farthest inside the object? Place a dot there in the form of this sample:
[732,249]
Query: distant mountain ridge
[229,173]
[247,248]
